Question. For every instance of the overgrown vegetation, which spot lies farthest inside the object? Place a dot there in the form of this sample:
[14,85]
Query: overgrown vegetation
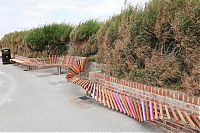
[83,39]
[45,40]
[52,38]
[157,45]
[16,42]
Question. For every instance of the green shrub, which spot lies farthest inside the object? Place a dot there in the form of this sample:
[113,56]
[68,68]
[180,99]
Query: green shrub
[52,38]
[16,42]
[83,39]
[36,40]
[84,30]
[92,58]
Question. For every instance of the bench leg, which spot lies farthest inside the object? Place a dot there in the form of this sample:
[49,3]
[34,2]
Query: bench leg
[59,69]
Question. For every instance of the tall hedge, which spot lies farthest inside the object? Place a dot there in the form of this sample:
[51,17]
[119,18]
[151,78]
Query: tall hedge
[83,39]
[157,45]
[44,40]
[16,42]
[52,38]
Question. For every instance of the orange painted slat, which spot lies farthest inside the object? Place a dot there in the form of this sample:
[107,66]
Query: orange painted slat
[195,120]
[124,104]
[81,84]
[107,99]
[155,110]
[75,80]
[104,102]
[189,119]
[91,88]
[161,111]
[113,100]
[174,114]
[167,112]
[110,99]
[181,116]
[78,81]
[100,94]
[133,106]
[136,109]
[87,87]
[140,110]
[85,84]
[147,111]
[97,92]
[86,81]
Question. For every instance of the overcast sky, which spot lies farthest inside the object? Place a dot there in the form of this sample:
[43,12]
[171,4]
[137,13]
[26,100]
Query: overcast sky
[25,14]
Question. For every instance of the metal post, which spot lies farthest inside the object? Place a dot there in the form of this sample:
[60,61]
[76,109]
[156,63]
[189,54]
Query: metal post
[59,69]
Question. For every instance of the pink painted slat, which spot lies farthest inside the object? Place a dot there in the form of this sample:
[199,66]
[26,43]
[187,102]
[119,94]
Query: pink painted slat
[131,108]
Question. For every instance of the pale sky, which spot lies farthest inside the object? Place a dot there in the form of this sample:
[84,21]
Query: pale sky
[16,15]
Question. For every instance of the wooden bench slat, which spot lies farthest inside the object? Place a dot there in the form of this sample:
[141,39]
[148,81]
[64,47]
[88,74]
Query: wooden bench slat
[113,100]
[147,111]
[195,120]
[110,99]
[134,109]
[189,119]
[97,92]
[181,116]
[174,114]
[167,112]
[161,111]
[125,104]
[107,99]
[155,111]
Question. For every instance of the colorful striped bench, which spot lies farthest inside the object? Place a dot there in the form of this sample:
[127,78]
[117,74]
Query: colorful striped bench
[140,107]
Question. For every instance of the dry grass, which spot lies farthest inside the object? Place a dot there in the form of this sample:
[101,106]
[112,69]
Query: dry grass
[159,45]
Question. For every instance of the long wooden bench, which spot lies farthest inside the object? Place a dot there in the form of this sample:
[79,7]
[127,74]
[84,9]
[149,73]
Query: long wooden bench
[24,62]
[140,106]
[61,62]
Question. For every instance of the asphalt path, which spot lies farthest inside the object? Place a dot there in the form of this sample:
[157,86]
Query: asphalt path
[44,101]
